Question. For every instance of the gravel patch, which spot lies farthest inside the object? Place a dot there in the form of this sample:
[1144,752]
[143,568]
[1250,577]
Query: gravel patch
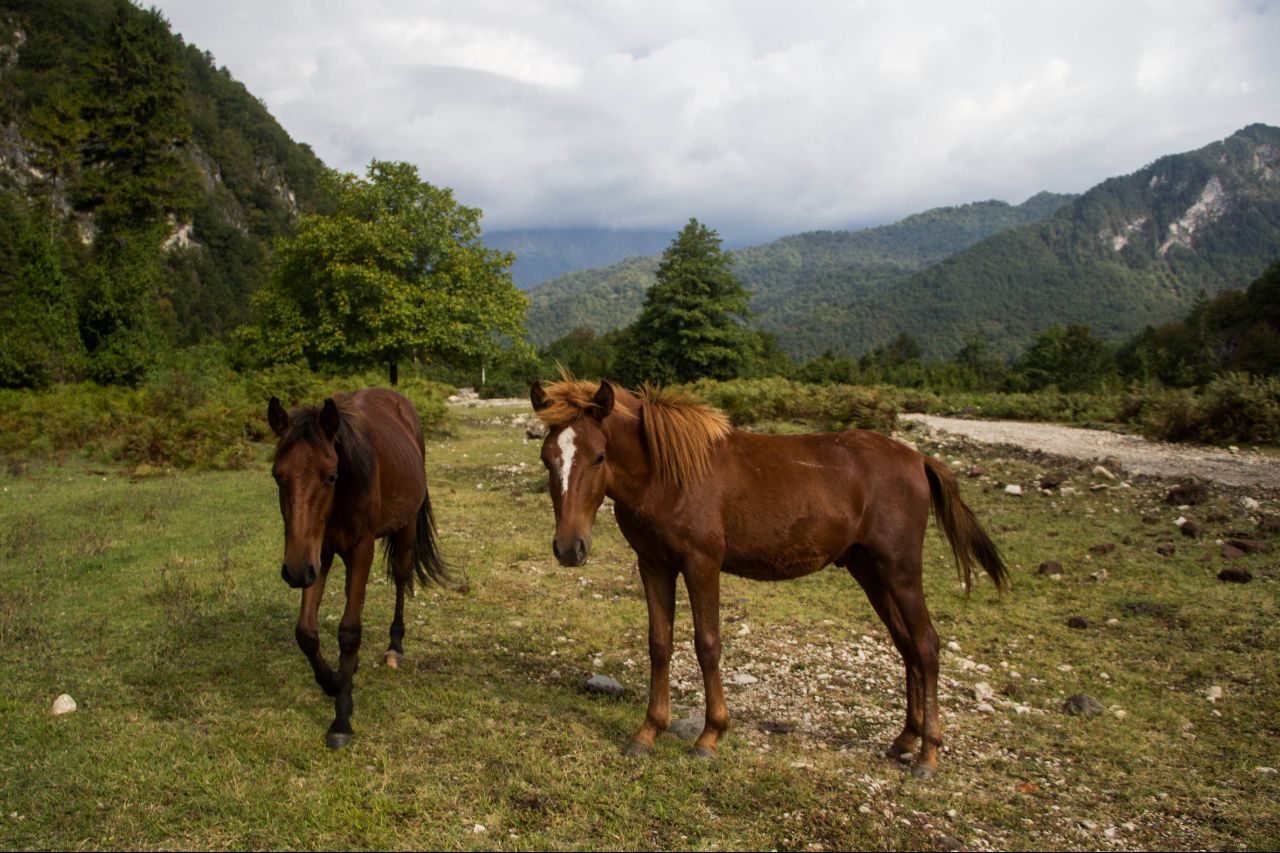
[1138,456]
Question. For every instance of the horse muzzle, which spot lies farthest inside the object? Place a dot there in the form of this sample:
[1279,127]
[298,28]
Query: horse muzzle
[300,579]
[574,555]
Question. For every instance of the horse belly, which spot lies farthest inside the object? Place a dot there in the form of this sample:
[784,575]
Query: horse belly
[775,570]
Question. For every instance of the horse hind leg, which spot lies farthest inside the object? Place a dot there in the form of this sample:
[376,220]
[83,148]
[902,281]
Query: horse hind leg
[400,559]
[903,747]
[903,581]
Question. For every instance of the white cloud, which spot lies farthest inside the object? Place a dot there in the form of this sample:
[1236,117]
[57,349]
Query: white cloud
[756,117]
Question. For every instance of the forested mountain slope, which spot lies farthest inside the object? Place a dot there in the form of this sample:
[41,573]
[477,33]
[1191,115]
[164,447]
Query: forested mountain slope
[792,276]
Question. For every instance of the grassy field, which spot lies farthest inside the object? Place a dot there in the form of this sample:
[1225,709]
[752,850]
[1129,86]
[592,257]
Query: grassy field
[157,604]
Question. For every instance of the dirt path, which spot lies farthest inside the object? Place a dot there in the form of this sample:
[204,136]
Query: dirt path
[1247,468]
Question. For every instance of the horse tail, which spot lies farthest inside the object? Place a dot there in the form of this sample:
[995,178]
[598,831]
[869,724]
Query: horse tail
[970,544]
[425,556]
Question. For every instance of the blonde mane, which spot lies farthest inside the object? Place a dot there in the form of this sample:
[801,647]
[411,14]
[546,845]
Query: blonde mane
[681,432]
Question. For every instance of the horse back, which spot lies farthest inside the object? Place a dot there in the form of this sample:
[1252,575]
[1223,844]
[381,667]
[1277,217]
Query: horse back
[394,432]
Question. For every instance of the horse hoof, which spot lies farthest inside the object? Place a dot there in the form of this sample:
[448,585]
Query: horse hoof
[706,753]
[924,772]
[898,754]
[394,659]
[635,747]
[337,740]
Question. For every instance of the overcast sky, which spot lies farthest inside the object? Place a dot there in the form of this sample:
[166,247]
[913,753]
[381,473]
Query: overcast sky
[758,118]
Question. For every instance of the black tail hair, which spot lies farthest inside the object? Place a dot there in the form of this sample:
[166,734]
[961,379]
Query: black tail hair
[427,563]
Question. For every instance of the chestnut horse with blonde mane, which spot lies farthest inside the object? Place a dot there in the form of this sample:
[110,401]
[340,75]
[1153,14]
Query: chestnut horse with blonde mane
[350,472]
[695,497]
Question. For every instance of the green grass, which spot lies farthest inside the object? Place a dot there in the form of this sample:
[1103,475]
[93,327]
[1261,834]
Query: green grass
[156,602]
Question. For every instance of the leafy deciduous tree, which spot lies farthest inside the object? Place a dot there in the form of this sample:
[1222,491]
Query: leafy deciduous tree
[397,271]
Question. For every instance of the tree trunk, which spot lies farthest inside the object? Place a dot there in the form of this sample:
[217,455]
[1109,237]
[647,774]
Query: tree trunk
[395,374]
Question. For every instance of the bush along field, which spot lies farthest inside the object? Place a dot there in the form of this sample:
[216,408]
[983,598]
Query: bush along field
[155,603]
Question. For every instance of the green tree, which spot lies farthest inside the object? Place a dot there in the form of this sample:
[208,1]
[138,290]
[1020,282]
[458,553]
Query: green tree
[1068,357]
[122,307]
[39,343]
[691,323]
[396,272]
[136,127]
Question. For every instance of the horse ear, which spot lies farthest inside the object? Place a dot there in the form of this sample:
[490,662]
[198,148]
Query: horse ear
[330,419]
[538,397]
[602,402]
[277,417]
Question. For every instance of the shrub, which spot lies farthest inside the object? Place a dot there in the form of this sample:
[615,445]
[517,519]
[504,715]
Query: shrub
[750,401]
[191,411]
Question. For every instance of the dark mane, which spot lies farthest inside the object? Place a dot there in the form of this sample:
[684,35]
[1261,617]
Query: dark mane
[355,452]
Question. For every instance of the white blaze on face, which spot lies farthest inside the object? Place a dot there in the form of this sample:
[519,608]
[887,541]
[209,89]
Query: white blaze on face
[567,450]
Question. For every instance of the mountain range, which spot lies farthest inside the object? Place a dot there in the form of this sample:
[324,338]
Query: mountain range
[1135,250]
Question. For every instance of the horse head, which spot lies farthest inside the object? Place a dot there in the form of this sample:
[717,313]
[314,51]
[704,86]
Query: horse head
[574,454]
[306,471]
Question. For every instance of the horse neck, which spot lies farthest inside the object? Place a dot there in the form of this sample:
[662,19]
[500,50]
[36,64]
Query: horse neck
[631,474]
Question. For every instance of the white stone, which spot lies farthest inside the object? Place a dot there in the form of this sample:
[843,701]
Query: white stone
[1099,471]
[982,691]
[953,645]
[1250,503]
[1013,489]
[744,678]
[64,704]
[1213,694]
[985,708]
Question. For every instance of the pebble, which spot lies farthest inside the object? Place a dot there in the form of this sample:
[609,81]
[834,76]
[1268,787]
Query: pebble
[1250,503]
[953,645]
[1213,694]
[1013,489]
[743,678]
[604,684]
[985,708]
[1082,704]
[1099,471]
[688,728]
[64,704]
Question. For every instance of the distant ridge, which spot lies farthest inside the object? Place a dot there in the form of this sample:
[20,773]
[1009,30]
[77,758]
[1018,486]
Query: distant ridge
[1134,250]
[544,254]
[791,276]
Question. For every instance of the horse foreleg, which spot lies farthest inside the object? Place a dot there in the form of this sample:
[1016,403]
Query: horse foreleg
[904,745]
[660,593]
[358,563]
[307,633]
[703,583]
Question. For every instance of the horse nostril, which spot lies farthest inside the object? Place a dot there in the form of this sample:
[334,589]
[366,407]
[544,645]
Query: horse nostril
[555,549]
[580,550]
[284,572]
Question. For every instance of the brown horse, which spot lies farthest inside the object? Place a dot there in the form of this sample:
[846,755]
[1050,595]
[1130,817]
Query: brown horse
[694,496]
[350,472]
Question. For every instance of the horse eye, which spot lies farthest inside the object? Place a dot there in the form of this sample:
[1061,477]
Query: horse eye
[331,479]
[599,460]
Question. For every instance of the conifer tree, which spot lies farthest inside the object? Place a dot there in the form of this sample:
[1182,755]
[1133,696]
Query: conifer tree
[691,323]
